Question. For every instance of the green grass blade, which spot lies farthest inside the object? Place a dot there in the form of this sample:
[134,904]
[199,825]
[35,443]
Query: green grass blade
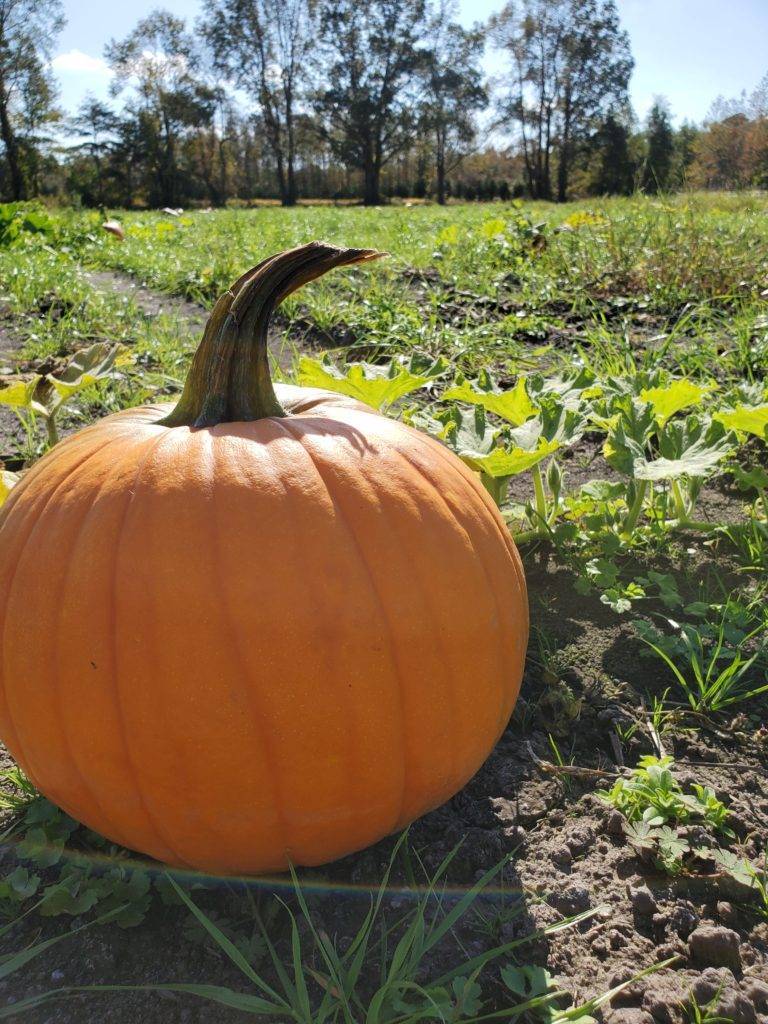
[224,943]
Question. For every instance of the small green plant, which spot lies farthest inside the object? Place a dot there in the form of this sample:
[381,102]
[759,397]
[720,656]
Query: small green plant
[747,874]
[541,997]
[45,396]
[55,870]
[706,1014]
[18,220]
[651,793]
[716,669]
[655,805]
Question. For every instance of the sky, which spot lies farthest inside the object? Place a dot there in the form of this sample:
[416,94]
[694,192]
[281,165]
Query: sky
[689,51]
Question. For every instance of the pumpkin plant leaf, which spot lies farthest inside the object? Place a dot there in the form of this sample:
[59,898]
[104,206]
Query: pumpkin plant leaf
[502,462]
[514,405]
[18,395]
[377,386]
[8,481]
[679,395]
[468,432]
[691,448]
[746,420]
[628,432]
[753,479]
[85,368]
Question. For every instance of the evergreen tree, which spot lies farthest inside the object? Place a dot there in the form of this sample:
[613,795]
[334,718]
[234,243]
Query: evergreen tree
[614,170]
[660,152]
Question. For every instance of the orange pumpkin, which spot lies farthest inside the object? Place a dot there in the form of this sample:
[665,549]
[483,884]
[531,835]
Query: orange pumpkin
[262,627]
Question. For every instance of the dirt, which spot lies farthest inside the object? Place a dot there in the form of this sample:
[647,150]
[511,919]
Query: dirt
[151,303]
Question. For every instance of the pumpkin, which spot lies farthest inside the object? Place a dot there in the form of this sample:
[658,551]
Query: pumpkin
[266,626]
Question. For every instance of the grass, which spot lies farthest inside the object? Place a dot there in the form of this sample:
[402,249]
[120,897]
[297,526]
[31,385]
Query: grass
[579,359]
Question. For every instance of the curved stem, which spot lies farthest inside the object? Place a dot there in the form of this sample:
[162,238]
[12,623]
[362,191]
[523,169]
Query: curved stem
[677,497]
[51,429]
[539,492]
[634,512]
[496,487]
[229,379]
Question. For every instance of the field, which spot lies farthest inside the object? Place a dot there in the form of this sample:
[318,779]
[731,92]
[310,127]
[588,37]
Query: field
[602,367]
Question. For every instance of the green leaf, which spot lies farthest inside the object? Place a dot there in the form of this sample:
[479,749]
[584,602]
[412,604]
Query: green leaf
[666,401]
[7,482]
[449,235]
[755,478]
[692,448]
[493,228]
[18,395]
[514,405]
[625,447]
[527,982]
[672,845]
[71,896]
[739,868]
[467,995]
[468,432]
[503,462]
[640,834]
[603,490]
[377,386]
[40,849]
[746,419]
[85,368]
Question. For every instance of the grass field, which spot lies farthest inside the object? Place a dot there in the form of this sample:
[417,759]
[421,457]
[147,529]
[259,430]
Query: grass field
[602,367]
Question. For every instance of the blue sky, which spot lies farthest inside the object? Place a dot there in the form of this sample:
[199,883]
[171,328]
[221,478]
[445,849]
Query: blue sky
[687,50]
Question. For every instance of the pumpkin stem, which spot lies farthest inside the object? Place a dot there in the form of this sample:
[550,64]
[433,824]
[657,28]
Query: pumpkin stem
[229,379]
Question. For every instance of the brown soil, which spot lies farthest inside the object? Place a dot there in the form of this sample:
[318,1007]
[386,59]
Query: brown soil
[150,302]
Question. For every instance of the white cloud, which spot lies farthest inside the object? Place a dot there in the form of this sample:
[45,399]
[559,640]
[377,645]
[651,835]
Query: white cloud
[81,63]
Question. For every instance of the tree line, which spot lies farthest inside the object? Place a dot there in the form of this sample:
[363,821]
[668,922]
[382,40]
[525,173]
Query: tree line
[336,100]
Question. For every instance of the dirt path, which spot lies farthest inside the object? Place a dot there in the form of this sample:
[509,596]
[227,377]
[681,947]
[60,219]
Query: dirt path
[150,302]
[190,315]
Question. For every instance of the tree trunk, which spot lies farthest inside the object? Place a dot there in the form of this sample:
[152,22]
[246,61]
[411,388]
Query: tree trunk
[562,171]
[441,182]
[565,155]
[371,176]
[18,187]
[291,192]
[440,166]
[282,178]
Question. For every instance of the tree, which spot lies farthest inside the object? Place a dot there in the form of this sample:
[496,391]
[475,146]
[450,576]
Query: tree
[596,68]
[684,153]
[661,148]
[28,29]
[96,125]
[613,172]
[570,64]
[159,60]
[263,47]
[723,154]
[453,91]
[370,61]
